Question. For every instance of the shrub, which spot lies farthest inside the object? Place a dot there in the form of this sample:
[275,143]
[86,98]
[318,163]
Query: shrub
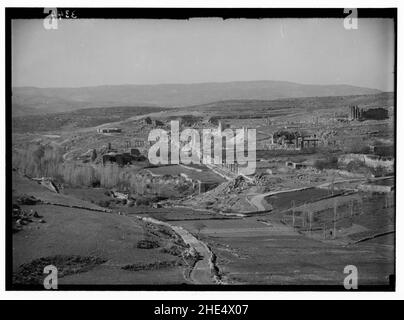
[379,171]
[173,250]
[375,114]
[199,226]
[104,203]
[329,163]
[147,244]
[385,151]
[142,202]
[356,145]
[357,166]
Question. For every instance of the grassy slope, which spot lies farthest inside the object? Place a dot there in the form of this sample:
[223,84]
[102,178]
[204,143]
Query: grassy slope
[70,231]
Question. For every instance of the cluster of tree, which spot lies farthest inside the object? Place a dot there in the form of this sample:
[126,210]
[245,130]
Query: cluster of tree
[47,161]
[287,135]
[375,114]
[37,160]
[189,120]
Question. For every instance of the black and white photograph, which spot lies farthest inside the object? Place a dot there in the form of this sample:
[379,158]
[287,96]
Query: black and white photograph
[201,149]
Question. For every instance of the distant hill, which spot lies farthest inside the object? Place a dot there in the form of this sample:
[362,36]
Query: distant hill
[243,109]
[30,100]
[309,104]
[81,118]
[227,109]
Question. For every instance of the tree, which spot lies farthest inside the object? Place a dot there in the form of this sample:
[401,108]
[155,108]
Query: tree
[199,226]
[93,155]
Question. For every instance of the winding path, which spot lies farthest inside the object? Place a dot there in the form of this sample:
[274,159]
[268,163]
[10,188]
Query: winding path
[202,271]
[258,200]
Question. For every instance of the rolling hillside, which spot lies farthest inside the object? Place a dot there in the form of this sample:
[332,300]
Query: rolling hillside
[30,100]
[309,104]
[81,118]
[230,109]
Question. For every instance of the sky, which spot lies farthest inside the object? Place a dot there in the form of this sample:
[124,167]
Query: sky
[91,52]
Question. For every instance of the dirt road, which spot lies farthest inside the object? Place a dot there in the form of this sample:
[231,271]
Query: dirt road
[202,271]
[257,201]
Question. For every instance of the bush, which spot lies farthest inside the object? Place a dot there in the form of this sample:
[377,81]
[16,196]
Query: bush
[357,166]
[199,226]
[379,171]
[147,244]
[104,203]
[356,145]
[385,151]
[173,250]
[375,114]
[142,202]
[329,163]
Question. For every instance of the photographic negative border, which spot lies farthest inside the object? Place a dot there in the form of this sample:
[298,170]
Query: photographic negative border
[177,13]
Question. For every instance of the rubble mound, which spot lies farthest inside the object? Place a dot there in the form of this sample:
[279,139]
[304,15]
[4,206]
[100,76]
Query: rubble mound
[22,217]
[226,197]
[236,185]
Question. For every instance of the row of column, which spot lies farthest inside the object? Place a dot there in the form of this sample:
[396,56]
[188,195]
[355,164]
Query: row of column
[355,112]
